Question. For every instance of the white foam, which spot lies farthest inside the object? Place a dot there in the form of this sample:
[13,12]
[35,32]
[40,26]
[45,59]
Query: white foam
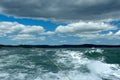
[97,69]
[95,50]
[4,75]
[3,52]
[18,76]
[73,56]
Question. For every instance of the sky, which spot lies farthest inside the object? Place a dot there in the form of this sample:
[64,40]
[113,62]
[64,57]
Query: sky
[57,22]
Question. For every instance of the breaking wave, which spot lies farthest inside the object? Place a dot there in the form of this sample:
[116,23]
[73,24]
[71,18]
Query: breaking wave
[56,64]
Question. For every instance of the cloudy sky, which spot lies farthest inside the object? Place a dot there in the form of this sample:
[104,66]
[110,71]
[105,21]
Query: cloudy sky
[59,22]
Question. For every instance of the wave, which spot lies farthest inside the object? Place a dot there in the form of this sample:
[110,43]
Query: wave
[56,64]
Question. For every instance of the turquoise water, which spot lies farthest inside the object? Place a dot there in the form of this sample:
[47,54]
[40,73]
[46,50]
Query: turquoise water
[60,64]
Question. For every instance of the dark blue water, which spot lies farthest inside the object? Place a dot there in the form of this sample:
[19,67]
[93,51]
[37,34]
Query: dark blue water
[60,64]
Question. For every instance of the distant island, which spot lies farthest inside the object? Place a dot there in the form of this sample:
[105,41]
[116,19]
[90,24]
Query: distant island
[62,46]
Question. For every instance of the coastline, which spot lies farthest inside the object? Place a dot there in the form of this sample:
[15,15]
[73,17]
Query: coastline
[62,46]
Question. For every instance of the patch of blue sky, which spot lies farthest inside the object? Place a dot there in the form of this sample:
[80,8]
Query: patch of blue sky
[48,25]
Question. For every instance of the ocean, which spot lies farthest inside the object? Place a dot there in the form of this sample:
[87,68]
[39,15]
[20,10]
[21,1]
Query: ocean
[60,64]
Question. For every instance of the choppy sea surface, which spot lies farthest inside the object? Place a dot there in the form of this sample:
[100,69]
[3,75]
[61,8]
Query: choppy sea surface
[60,64]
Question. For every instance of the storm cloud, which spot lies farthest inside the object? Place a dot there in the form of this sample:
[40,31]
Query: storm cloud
[62,9]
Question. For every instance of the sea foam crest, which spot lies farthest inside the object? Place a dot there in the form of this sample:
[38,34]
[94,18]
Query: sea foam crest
[98,70]
[74,66]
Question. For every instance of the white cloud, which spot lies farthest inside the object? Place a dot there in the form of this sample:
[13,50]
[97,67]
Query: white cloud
[23,37]
[63,41]
[117,33]
[33,29]
[84,27]
[109,35]
[20,37]
[82,30]
[42,38]
[16,28]
[17,31]
[10,27]
[88,30]
[49,33]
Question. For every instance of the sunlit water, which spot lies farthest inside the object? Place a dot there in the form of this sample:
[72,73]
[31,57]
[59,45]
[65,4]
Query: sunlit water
[59,64]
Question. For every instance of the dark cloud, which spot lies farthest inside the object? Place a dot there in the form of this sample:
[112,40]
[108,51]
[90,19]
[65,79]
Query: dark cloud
[62,9]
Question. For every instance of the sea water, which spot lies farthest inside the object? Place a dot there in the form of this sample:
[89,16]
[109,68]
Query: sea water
[60,64]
